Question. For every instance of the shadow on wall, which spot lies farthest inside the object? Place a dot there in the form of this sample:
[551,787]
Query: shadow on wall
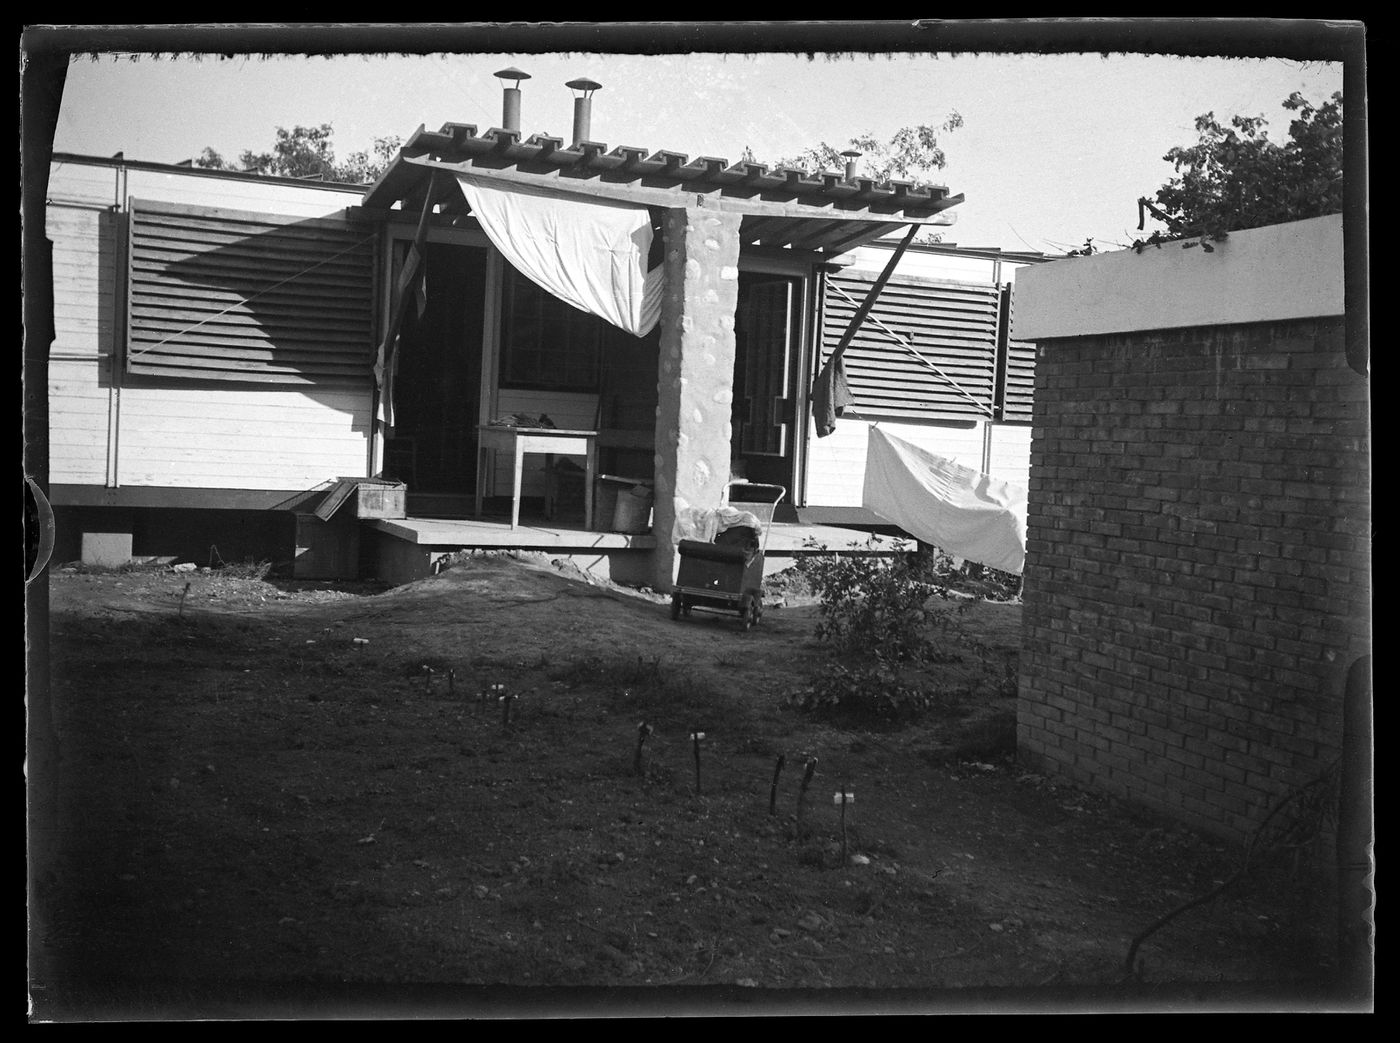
[218,298]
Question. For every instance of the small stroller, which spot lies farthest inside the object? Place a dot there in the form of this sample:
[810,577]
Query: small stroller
[726,575]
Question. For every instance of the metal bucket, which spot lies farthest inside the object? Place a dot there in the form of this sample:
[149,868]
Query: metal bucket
[633,511]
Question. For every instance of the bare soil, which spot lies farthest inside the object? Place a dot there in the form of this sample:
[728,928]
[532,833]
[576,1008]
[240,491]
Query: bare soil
[274,794]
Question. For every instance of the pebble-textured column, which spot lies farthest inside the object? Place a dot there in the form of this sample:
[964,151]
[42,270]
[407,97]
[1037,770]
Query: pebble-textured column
[695,377]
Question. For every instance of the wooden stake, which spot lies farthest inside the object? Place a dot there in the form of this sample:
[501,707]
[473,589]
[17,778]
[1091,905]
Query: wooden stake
[488,692]
[811,769]
[773,790]
[843,798]
[695,738]
[643,731]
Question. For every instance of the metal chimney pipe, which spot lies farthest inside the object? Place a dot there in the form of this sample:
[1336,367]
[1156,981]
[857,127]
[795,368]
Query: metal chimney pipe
[851,157]
[510,109]
[583,107]
[510,102]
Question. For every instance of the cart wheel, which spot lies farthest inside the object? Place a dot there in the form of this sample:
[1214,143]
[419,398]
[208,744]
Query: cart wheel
[676,606]
[748,612]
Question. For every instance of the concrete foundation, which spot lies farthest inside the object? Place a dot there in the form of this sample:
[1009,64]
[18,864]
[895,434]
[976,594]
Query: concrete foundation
[695,376]
[410,549]
[326,549]
[106,550]
[401,552]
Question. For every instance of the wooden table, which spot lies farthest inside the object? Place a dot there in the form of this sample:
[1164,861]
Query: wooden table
[522,440]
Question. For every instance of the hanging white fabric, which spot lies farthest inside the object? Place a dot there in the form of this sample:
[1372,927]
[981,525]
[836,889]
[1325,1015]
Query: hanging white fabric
[966,513]
[591,254]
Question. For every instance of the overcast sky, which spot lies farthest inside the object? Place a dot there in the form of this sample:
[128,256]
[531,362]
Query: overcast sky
[1054,148]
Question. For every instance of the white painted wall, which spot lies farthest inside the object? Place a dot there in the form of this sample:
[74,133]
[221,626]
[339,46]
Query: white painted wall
[1272,274]
[212,436]
[836,476]
[931,265]
[241,438]
[263,197]
[1011,453]
[79,409]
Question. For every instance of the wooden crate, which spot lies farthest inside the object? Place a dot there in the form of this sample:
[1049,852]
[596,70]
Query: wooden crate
[373,498]
[381,499]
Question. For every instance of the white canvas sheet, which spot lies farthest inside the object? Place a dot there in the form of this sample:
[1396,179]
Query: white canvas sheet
[591,254]
[697,523]
[968,514]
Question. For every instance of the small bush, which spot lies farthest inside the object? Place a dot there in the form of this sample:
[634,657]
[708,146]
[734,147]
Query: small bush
[868,695]
[876,606]
[883,615]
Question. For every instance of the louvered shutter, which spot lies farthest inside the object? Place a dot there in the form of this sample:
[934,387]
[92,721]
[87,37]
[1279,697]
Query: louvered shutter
[1018,390]
[220,294]
[952,325]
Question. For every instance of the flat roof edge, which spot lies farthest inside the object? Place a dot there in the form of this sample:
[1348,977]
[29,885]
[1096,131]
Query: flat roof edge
[1271,274]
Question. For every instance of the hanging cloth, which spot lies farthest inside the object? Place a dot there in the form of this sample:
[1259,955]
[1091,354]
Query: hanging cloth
[412,280]
[966,513]
[831,394]
[591,254]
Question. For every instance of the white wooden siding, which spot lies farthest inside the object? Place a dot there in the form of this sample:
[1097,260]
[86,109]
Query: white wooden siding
[1011,453]
[240,193]
[88,183]
[241,438]
[79,408]
[922,265]
[195,436]
[933,266]
[836,463]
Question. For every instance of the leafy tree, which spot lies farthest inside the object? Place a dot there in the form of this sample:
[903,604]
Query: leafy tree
[365,167]
[1235,177]
[911,154]
[307,152]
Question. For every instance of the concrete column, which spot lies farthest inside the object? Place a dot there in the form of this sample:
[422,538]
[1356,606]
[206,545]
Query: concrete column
[695,377]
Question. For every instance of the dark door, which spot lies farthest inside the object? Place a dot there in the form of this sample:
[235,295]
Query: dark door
[765,341]
[438,387]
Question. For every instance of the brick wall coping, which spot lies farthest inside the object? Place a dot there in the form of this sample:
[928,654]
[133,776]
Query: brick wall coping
[1271,274]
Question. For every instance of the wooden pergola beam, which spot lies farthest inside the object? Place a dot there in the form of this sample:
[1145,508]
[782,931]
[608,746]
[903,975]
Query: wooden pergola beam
[676,197]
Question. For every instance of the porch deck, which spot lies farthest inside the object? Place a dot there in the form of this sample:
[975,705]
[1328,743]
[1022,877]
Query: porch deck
[406,549]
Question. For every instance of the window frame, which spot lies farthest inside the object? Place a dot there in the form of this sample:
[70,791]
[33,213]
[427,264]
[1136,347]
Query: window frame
[550,313]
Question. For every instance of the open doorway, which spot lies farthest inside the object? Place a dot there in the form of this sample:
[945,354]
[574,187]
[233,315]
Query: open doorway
[437,388]
[766,334]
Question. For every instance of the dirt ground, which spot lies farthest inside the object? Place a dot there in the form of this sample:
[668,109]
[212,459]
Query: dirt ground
[275,795]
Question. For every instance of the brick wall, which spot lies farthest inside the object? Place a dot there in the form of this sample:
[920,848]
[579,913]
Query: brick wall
[1198,566]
